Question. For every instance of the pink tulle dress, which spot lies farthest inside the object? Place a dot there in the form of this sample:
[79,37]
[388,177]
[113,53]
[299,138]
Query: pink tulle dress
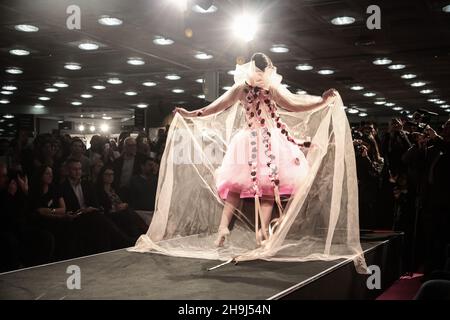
[262,158]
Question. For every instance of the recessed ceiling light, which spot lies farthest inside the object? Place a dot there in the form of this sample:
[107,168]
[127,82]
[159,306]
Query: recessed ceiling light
[38,106]
[447,110]
[389,104]
[226,88]
[44,98]
[397,66]
[408,76]
[301,92]
[173,77]
[426,91]
[76,103]
[88,46]
[304,67]
[81,127]
[440,102]
[14,70]
[136,61]
[26,28]
[203,56]
[279,48]
[200,80]
[4,101]
[98,87]
[19,52]
[81,116]
[130,93]
[86,95]
[342,21]
[106,118]
[369,94]
[109,21]
[60,121]
[231,72]
[104,127]
[244,27]
[60,84]
[433,100]
[149,84]
[353,111]
[418,84]
[382,61]
[199,9]
[92,128]
[356,87]
[362,114]
[8,116]
[446,8]
[6,92]
[142,105]
[325,71]
[161,41]
[397,108]
[379,102]
[92,116]
[114,81]
[51,90]
[444,106]
[177,90]
[201,96]
[72,66]
[9,87]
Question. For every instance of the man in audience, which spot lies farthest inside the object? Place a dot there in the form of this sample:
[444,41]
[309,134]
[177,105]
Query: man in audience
[143,186]
[77,152]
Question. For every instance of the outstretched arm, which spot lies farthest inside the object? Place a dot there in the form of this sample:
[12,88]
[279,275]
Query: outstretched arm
[327,98]
[223,102]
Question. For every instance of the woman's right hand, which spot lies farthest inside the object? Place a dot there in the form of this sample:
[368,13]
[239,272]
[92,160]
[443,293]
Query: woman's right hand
[329,95]
[183,112]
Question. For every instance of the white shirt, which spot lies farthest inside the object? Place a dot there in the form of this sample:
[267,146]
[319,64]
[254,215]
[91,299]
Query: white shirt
[79,193]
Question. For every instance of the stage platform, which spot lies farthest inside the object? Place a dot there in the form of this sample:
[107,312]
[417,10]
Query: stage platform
[125,275]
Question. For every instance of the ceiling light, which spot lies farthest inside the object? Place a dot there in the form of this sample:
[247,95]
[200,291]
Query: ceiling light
[356,87]
[8,116]
[199,80]
[114,81]
[109,21]
[440,102]
[201,96]
[396,66]
[173,77]
[88,46]
[362,114]
[304,67]
[9,87]
[231,73]
[325,71]
[86,95]
[26,28]
[408,76]
[444,106]
[130,93]
[446,8]
[433,100]
[81,127]
[203,56]
[72,66]
[379,102]
[142,105]
[149,84]
[106,118]
[98,87]
[14,70]
[104,127]
[92,128]
[244,27]
[382,61]
[76,103]
[418,84]
[44,98]
[161,41]
[60,84]
[342,21]
[6,92]
[199,9]
[4,101]
[136,61]
[279,48]
[397,108]
[426,91]
[38,106]
[19,52]
[177,90]
[447,110]
[369,94]
[353,111]
[389,104]
[51,90]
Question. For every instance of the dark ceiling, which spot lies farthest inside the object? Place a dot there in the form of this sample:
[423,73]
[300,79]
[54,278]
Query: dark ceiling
[413,33]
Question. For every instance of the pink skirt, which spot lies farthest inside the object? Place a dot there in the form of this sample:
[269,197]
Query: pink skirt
[234,173]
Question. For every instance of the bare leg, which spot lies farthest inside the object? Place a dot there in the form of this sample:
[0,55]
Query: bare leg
[266,215]
[231,203]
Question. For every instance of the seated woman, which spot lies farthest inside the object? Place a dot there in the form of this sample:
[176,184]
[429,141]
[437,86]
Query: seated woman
[115,209]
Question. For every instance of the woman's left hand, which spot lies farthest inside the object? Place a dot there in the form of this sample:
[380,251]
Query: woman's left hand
[329,95]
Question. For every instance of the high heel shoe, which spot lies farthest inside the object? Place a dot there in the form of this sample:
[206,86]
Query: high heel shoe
[222,234]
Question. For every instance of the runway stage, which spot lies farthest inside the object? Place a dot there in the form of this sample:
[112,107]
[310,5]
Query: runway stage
[126,275]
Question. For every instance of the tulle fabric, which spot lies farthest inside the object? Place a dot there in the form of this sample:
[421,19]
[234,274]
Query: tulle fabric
[319,218]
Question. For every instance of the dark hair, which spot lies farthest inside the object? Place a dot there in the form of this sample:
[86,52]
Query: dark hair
[144,161]
[262,61]
[71,160]
[100,182]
